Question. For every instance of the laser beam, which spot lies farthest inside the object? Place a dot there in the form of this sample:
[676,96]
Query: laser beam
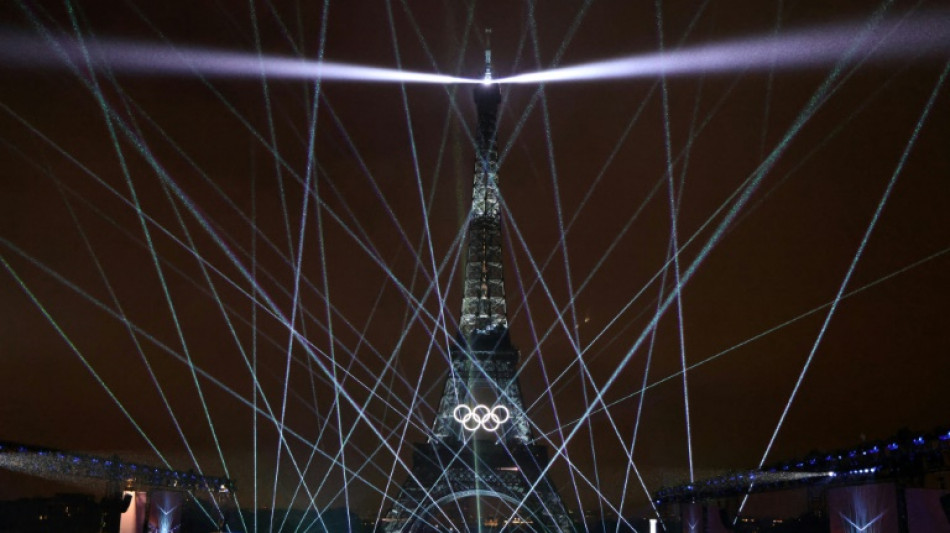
[129,57]
[921,35]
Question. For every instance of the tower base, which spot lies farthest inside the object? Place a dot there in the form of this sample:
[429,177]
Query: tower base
[442,475]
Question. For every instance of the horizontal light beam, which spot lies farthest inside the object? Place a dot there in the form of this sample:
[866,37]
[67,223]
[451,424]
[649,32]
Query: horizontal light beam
[922,35]
[22,50]
[926,34]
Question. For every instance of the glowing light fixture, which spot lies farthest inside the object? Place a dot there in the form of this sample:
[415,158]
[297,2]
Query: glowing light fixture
[865,526]
[481,417]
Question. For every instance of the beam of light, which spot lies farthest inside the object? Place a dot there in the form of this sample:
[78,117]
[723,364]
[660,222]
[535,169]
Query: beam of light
[404,237]
[328,301]
[639,416]
[708,221]
[401,439]
[19,49]
[85,362]
[270,415]
[913,36]
[693,134]
[270,148]
[572,333]
[274,419]
[167,520]
[135,338]
[863,528]
[800,163]
[674,240]
[272,131]
[451,93]
[137,144]
[747,189]
[94,87]
[321,237]
[417,172]
[925,34]
[618,238]
[455,250]
[573,469]
[768,86]
[854,261]
[295,301]
[202,261]
[372,253]
[565,41]
[254,416]
[547,388]
[763,334]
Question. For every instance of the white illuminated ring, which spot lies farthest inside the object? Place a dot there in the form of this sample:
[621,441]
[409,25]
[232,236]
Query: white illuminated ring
[481,416]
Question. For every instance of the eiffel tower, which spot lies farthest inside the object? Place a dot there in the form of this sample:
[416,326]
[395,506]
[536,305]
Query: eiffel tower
[480,447]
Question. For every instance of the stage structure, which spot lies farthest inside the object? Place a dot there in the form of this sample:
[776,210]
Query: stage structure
[135,492]
[892,485]
[124,475]
[480,448]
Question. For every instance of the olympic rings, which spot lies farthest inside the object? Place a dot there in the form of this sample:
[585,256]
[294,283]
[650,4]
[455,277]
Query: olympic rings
[481,416]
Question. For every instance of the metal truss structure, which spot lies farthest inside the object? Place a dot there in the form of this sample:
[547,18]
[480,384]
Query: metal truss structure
[500,462]
[121,474]
[905,458]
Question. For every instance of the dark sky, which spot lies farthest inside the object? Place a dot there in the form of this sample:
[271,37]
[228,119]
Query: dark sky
[76,375]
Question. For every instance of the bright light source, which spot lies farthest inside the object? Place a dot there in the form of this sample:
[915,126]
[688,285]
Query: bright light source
[121,56]
[481,416]
[926,34]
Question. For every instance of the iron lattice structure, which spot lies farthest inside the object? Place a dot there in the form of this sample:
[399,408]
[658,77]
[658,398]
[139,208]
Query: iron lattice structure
[457,463]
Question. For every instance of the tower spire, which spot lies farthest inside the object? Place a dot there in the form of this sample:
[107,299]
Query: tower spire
[487,76]
[483,301]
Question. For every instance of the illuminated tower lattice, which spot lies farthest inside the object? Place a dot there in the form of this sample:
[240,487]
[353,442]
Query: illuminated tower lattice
[480,445]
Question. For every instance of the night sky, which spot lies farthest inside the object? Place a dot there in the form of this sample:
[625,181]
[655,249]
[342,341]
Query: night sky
[100,315]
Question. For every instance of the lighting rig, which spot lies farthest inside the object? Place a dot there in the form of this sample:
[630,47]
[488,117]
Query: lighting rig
[59,464]
[905,457]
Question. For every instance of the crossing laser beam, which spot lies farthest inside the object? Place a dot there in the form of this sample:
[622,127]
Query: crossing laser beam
[865,526]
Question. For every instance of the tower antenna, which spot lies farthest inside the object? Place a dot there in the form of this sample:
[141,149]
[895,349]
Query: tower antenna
[487,77]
